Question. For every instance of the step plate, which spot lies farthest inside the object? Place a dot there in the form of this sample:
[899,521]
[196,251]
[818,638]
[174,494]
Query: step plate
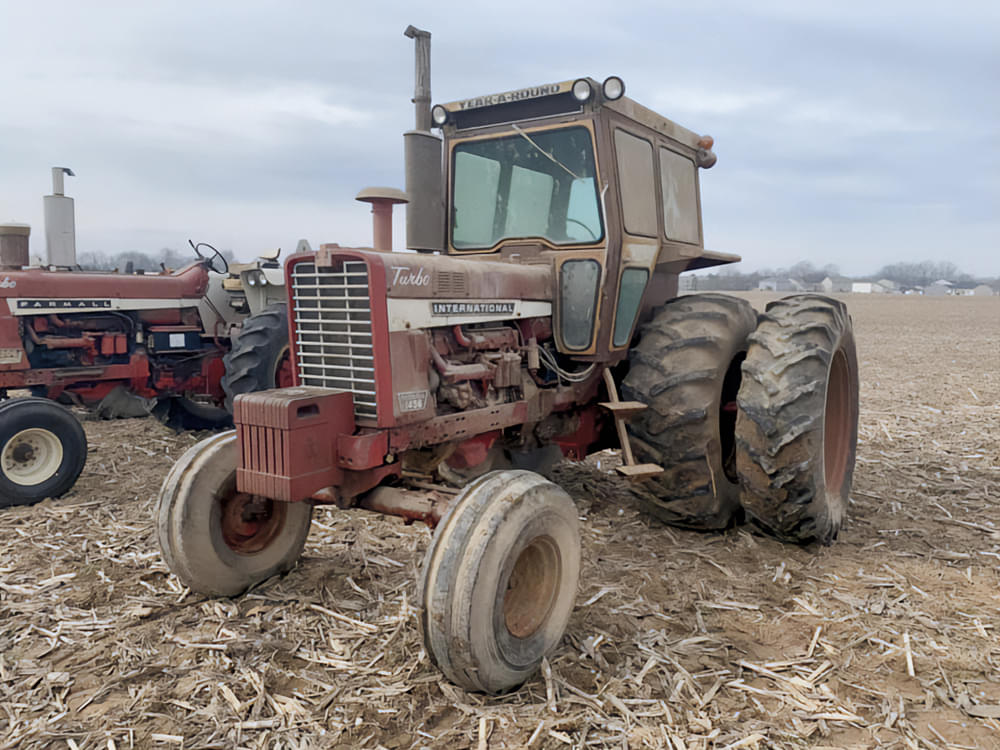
[639,471]
[624,409]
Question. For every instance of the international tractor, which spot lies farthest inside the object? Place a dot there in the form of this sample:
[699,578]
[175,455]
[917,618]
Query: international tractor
[182,341]
[539,319]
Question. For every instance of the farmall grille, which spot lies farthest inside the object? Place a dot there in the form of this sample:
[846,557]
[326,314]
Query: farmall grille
[333,331]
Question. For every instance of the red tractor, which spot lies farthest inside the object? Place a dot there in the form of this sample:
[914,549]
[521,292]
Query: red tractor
[122,342]
[547,324]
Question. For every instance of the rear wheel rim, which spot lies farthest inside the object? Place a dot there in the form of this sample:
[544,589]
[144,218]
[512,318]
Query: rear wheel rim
[283,377]
[532,587]
[31,457]
[837,426]
[250,523]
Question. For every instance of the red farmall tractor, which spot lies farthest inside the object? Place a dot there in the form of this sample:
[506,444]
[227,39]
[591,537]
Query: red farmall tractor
[121,342]
[547,323]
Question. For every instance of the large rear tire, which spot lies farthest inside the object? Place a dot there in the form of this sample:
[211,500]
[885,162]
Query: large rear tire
[216,540]
[686,368]
[499,580]
[43,449]
[260,357]
[797,429]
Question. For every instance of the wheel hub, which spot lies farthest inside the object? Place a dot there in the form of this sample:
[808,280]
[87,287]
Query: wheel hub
[250,522]
[532,589]
[31,456]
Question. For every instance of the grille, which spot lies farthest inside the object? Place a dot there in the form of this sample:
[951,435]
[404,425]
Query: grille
[333,331]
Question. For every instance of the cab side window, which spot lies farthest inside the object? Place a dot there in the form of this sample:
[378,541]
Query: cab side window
[680,197]
[638,186]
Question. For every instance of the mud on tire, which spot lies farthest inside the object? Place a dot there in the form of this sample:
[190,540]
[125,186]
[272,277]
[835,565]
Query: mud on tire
[686,368]
[258,355]
[797,429]
[499,580]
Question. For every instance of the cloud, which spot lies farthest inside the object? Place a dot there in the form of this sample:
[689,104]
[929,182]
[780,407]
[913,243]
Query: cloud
[252,123]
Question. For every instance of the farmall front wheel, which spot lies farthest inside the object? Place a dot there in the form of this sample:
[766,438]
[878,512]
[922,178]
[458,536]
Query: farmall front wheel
[499,580]
[42,451]
[260,357]
[686,369]
[797,429]
[219,541]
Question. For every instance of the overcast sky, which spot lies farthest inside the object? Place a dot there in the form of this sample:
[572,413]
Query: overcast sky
[861,134]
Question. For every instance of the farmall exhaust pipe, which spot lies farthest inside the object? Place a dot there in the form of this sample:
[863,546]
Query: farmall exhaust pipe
[422,154]
[60,222]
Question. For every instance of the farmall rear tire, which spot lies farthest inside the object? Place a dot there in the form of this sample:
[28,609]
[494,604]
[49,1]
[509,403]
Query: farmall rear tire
[216,540]
[260,358]
[797,429]
[499,580]
[42,451]
[686,368]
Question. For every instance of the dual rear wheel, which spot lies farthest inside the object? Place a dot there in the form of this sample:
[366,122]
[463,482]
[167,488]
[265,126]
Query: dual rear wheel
[748,414]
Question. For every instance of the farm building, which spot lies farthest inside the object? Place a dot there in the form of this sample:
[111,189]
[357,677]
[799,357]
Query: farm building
[868,287]
[833,284]
[939,288]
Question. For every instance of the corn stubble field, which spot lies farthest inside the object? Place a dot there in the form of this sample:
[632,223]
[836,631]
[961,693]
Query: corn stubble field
[888,638]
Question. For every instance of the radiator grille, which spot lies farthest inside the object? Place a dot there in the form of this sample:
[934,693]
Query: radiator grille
[333,331]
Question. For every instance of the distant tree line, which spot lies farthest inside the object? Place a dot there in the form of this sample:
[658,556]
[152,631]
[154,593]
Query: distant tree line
[148,262]
[923,274]
[907,275]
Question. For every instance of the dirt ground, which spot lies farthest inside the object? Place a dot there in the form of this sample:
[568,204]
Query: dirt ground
[887,638]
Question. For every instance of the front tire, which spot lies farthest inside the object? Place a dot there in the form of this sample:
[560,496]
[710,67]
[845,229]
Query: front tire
[499,580]
[686,368]
[216,540]
[43,450]
[260,358]
[797,430]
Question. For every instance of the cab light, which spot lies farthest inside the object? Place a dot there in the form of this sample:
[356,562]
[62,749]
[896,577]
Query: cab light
[439,115]
[613,88]
[582,90]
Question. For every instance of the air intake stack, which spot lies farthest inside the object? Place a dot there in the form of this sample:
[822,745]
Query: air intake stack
[422,153]
[14,245]
[60,222]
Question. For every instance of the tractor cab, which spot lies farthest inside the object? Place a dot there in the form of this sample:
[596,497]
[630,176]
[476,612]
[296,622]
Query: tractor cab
[577,175]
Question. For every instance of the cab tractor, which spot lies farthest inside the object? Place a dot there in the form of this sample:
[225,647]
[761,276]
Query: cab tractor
[540,319]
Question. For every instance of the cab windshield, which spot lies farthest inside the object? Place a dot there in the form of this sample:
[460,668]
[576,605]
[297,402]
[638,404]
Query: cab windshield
[531,184]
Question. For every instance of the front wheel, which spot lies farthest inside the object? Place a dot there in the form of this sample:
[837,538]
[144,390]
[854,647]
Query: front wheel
[219,541]
[797,426]
[499,580]
[42,451]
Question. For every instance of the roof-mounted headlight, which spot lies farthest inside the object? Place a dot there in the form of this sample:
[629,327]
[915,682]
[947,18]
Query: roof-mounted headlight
[582,90]
[439,115]
[613,88]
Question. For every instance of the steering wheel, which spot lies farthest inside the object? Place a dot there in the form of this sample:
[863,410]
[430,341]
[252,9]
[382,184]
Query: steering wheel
[586,228]
[216,261]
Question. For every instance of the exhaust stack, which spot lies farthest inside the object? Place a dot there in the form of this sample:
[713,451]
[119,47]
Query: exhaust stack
[422,154]
[60,222]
